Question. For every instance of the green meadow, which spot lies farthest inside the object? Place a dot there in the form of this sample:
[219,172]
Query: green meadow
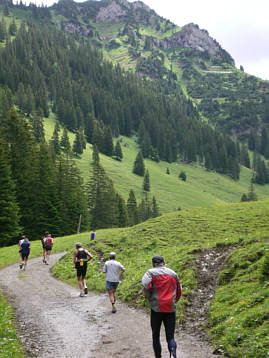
[239,311]
[202,187]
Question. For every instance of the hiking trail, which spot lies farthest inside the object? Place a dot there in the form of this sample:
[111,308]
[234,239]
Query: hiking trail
[53,321]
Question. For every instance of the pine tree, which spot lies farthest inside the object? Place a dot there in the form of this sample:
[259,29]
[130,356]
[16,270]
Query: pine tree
[38,128]
[65,143]
[9,213]
[118,151]
[139,166]
[146,183]
[252,196]
[155,208]
[102,202]
[78,145]
[132,209]
[54,142]
[123,215]
[108,142]
[95,154]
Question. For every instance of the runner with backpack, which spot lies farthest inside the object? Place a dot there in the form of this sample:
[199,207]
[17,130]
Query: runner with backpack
[48,243]
[81,257]
[25,251]
[20,243]
[43,245]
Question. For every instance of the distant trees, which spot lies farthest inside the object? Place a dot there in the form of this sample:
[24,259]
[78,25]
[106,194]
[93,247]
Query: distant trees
[182,176]
[139,166]
[146,183]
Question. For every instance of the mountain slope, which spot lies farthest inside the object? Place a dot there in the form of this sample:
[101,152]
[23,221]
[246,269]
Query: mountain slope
[136,37]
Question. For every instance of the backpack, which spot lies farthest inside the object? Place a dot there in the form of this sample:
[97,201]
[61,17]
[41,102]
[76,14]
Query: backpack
[49,241]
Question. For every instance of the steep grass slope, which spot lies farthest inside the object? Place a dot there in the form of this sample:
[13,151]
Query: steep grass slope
[202,188]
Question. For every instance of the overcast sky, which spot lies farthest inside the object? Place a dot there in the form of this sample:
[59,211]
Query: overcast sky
[241,27]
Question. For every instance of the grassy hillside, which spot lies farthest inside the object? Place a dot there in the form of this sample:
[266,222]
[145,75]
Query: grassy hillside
[239,312]
[202,188]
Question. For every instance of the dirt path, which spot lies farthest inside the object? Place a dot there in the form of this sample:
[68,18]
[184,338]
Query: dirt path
[53,321]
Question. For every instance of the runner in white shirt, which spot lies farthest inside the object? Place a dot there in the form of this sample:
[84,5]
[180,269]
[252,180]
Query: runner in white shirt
[113,270]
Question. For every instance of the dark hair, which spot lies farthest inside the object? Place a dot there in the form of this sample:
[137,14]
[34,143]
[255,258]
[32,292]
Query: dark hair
[78,245]
[157,259]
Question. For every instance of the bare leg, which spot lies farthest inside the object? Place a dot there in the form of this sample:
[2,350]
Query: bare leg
[112,296]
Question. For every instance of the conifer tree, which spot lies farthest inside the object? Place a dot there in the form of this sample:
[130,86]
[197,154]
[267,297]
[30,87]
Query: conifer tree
[54,142]
[13,28]
[78,145]
[9,213]
[139,166]
[132,209]
[108,142]
[38,128]
[123,215]
[65,143]
[155,208]
[102,199]
[146,183]
[118,151]
[95,153]
[252,196]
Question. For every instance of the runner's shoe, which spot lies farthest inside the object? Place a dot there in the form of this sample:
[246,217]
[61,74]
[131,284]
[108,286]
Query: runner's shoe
[81,294]
[114,310]
[21,266]
[85,290]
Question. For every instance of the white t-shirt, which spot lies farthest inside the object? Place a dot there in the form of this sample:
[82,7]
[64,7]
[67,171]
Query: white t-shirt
[112,269]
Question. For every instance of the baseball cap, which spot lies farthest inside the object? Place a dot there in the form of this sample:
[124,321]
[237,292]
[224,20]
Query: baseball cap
[157,259]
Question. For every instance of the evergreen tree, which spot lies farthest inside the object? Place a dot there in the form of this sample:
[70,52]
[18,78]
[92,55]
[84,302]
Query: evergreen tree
[118,151]
[54,142]
[38,128]
[252,196]
[182,176]
[9,213]
[146,183]
[123,215]
[102,201]
[65,143]
[95,154]
[13,28]
[108,142]
[139,166]
[155,208]
[78,145]
[132,209]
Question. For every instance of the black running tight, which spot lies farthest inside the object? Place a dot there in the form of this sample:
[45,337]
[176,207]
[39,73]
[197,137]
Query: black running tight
[169,320]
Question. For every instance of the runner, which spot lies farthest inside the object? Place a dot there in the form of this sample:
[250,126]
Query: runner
[20,242]
[114,271]
[48,243]
[80,261]
[25,251]
[162,289]
[93,234]
[43,245]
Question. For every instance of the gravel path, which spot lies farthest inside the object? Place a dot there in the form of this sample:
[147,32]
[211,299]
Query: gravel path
[53,321]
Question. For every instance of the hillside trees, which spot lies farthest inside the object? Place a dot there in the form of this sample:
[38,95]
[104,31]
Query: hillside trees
[43,66]
[9,214]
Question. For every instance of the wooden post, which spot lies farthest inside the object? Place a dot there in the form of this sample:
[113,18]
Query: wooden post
[79,222]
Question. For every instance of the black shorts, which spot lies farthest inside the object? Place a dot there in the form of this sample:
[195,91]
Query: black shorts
[24,255]
[48,248]
[81,270]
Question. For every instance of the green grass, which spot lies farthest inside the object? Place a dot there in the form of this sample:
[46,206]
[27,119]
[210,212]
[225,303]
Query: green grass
[202,188]
[239,312]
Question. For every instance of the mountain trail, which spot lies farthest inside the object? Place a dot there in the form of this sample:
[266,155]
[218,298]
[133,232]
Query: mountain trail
[53,321]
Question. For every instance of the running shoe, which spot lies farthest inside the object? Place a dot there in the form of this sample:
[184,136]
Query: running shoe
[81,294]
[21,266]
[85,290]
[114,310]
[173,353]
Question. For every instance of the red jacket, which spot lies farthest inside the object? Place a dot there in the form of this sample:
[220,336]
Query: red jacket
[162,288]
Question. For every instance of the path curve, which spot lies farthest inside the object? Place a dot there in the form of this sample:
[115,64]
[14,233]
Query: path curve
[53,321]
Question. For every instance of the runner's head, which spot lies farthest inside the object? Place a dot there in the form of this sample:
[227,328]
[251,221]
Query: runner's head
[78,245]
[112,255]
[157,260]
[46,233]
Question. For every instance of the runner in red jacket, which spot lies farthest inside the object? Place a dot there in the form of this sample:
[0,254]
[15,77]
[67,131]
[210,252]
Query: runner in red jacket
[162,289]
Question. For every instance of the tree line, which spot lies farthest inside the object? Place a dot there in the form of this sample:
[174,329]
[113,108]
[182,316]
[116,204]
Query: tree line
[47,70]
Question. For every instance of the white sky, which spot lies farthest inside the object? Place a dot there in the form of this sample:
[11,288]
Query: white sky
[241,27]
